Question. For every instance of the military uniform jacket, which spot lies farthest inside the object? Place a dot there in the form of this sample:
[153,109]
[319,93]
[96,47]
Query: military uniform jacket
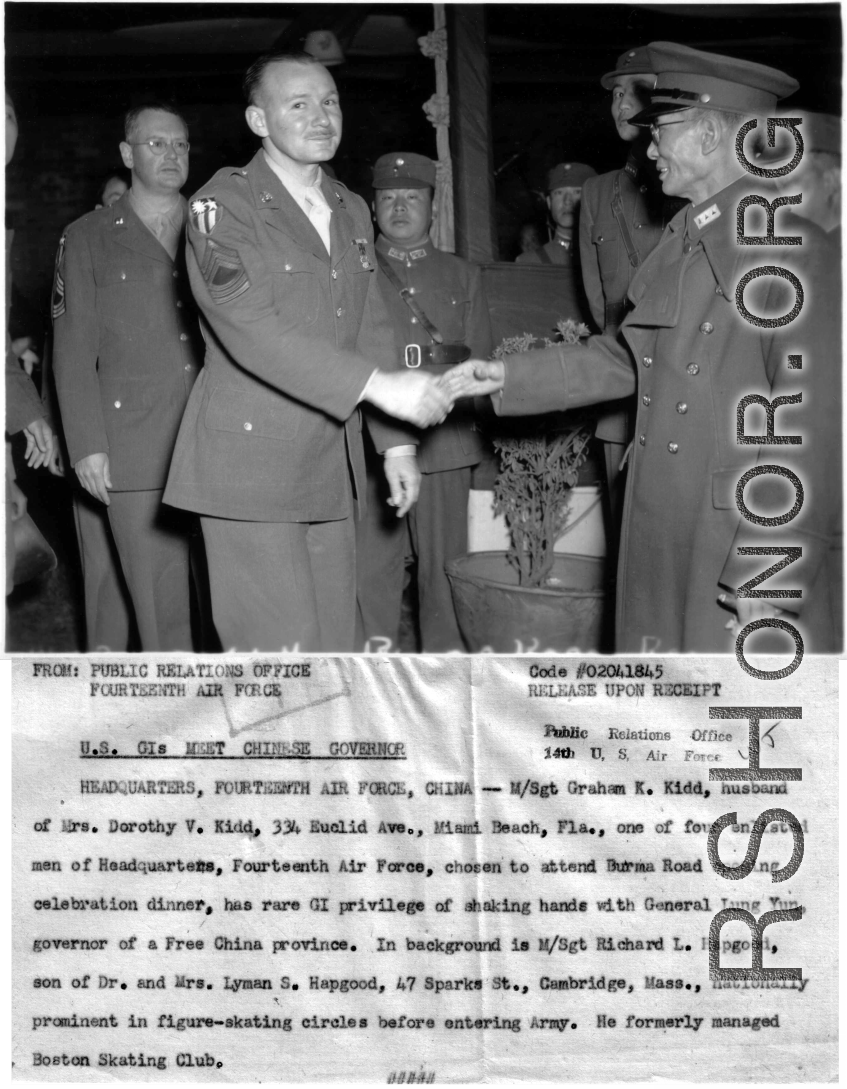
[557,254]
[691,357]
[126,345]
[450,293]
[607,268]
[292,335]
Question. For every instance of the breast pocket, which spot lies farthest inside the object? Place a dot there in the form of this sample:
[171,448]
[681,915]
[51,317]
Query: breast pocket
[126,295]
[604,237]
[296,289]
[449,313]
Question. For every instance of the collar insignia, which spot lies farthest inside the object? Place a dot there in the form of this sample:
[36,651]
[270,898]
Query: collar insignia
[712,212]
[631,169]
[265,197]
[417,254]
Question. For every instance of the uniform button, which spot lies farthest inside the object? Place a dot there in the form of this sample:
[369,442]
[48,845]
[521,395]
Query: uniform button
[673,447]
[693,369]
[638,226]
[183,336]
[176,273]
[288,268]
[414,321]
[188,366]
[682,408]
[411,291]
[686,247]
[179,303]
[117,404]
[707,327]
[123,275]
[642,439]
[334,274]
[248,427]
[642,189]
[339,312]
[719,290]
[647,361]
[645,400]
[600,238]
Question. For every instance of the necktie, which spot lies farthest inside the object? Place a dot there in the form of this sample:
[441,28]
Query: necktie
[319,214]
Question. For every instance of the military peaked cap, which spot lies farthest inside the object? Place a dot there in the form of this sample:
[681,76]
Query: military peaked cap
[635,62]
[690,77]
[568,174]
[403,170]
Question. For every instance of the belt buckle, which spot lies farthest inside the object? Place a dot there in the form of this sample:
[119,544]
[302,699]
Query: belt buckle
[413,355]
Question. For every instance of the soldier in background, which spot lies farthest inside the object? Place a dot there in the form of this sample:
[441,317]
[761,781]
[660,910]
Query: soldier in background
[621,221]
[125,359]
[564,191]
[440,319]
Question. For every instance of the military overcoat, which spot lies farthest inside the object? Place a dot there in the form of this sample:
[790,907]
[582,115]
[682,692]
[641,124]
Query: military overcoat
[292,335]
[126,345]
[690,357]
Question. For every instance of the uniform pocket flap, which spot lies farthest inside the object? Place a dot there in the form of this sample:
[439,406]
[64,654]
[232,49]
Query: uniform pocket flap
[265,415]
[130,394]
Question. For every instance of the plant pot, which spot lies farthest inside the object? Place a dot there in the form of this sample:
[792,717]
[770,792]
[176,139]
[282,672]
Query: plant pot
[497,615]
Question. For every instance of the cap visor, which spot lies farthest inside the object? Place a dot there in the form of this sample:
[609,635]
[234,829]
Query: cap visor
[656,109]
[611,78]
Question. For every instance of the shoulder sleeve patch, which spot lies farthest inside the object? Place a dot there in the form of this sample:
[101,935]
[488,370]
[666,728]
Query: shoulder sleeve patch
[224,273]
[58,299]
[205,214]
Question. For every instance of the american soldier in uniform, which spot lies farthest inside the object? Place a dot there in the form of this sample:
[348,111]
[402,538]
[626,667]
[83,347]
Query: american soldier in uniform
[442,318]
[691,357]
[282,264]
[125,358]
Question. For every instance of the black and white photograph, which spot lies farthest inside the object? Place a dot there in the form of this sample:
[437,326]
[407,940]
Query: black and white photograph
[300,426]
[424,542]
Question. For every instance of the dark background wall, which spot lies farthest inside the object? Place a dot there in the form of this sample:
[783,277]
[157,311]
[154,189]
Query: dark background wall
[73,69]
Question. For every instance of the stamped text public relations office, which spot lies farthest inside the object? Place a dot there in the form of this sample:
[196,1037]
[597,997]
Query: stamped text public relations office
[790,554]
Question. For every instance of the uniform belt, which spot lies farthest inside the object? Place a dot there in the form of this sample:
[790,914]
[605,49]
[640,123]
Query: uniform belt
[443,354]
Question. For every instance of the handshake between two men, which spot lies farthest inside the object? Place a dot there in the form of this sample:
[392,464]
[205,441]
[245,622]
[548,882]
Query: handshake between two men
[425,400]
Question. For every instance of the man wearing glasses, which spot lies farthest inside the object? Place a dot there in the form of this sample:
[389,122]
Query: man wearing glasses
[691,357]
[126,356]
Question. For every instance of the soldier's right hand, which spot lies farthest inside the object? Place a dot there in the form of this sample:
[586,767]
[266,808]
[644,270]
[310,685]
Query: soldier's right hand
[93,473]
[410,395]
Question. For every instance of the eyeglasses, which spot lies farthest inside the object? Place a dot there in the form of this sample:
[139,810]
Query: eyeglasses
[655,129]
[159,147]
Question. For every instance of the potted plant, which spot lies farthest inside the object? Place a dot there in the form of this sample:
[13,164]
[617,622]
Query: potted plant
[531,598]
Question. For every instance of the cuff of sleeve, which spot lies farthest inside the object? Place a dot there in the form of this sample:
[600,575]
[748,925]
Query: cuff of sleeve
[401,452]
[365,389]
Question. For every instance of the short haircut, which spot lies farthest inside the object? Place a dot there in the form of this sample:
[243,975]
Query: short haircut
[255,73]
[132,116]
